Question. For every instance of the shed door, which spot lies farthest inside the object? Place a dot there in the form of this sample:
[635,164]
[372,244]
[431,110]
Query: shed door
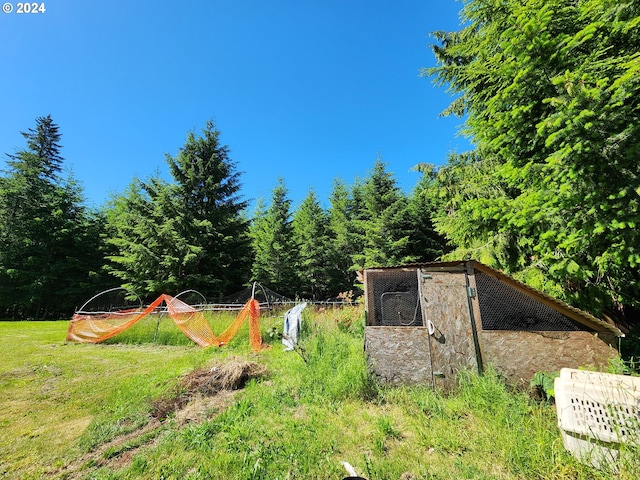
[445,312]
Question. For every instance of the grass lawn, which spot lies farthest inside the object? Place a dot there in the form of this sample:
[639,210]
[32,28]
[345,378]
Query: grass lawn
[71,410]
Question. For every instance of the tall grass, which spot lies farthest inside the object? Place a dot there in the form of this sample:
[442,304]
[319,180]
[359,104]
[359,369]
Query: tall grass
[160,329]
[317,407]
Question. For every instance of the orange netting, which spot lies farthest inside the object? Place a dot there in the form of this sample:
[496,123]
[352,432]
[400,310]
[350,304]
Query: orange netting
[97,328]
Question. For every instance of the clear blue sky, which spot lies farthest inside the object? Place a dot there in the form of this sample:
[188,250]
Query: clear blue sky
[307,90]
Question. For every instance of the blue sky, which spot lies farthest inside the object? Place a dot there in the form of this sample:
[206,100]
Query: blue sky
[306,90]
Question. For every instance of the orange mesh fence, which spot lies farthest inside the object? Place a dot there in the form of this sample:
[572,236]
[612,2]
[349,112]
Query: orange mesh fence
[97,328]
[193,323]
[255,338]
[252,310]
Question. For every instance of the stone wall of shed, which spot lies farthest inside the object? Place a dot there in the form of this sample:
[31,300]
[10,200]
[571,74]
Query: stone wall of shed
[519,355]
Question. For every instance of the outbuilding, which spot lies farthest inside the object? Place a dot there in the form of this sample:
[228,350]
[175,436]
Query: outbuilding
[425,322]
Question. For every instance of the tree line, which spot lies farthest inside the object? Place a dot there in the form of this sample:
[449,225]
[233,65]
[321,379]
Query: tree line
[193,232]
[548,90]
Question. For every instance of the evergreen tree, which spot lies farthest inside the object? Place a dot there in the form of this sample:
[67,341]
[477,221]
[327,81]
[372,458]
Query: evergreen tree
[378,222]
[311,240]
[550,92]
[424,243]
[261,234]
[341,246]
[211,212]
[145,255]
[49,243]
[190,234]
[274,245]
[43,144]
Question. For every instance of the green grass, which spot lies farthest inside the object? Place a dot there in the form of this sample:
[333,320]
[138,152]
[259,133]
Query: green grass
[84,411]
[161,330]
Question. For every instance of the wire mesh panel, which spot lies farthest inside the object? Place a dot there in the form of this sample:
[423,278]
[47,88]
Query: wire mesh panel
[502,307]
[396,309]
[392,297]
[267,298]
[113,300]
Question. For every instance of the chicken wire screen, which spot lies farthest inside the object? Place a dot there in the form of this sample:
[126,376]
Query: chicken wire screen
[392,296]
[502,307]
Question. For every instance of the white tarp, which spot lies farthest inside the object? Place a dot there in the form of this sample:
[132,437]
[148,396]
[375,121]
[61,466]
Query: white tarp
[291,330]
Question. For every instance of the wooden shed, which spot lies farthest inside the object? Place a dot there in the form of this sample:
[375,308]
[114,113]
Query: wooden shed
[426,322]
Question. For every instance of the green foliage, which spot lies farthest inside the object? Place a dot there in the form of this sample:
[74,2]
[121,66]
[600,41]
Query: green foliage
[50,245]
[211,212]
[170,237]
[313,255]
[424,243]
[273,243]
[341,247]
[376,222]
[549,91]
[630,349]
[543,382]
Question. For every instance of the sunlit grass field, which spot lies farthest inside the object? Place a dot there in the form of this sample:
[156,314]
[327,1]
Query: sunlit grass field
[70,410]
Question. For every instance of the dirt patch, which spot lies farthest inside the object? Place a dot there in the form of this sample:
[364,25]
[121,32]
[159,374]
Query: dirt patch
[200,395]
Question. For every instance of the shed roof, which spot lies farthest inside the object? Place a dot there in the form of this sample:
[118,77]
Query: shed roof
[576,314]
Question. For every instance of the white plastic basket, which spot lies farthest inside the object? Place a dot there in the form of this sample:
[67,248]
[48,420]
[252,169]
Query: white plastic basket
[596,413]
[600,378]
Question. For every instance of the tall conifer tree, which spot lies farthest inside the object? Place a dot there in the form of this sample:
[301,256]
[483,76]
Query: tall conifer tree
[189,234]
[49,244]
[342,244]
[274,245]
[311,240]
[549,89]
[377,221]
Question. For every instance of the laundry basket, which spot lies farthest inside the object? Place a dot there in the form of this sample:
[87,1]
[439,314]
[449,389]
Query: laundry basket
[596,413]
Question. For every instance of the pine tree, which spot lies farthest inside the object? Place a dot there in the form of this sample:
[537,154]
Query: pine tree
[48,254]
[274,245]
[211,213]
[142,257]
[378,228]
[311,240]
[190,234]
[549,91]
[424,243]
[341,246]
